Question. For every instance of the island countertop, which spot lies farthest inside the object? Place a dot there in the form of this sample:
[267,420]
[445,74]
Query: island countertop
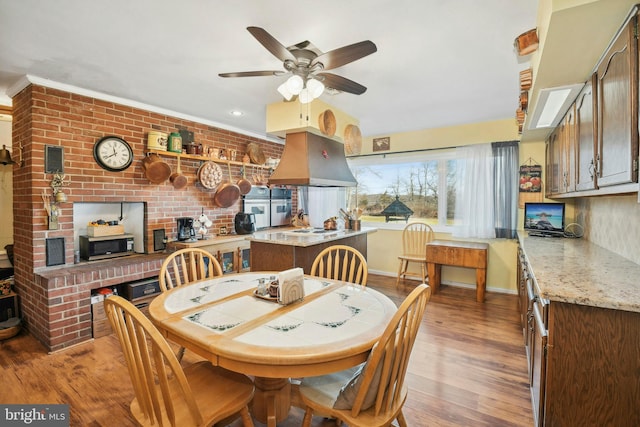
[579,272]
[298,237]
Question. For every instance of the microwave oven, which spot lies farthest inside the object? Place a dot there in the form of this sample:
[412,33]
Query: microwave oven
[103,247]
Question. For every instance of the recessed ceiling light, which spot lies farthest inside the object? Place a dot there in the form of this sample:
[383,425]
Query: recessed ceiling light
[236,113]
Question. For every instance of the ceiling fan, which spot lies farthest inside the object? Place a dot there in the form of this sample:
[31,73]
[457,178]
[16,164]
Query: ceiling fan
[306,64]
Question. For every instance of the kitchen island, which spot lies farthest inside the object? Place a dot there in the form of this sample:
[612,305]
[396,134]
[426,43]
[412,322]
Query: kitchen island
[278,250]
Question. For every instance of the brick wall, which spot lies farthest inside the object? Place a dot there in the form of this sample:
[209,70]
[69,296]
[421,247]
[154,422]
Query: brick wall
[44,116]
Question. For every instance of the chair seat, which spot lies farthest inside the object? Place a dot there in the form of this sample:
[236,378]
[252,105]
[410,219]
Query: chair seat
[321,392]
[231,390]
[413,258]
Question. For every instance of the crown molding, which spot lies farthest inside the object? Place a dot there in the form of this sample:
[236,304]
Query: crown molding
[28,79]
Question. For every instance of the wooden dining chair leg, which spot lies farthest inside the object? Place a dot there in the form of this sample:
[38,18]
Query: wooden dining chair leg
[401,271]
[308,414]
[423,266]
[246,417]
[401,421]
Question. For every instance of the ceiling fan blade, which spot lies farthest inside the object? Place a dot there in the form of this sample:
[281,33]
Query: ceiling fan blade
[253,74]
[271,44]
[344,55]
[341,83]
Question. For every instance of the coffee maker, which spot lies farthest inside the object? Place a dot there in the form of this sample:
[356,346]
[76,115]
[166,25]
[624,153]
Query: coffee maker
[185,229]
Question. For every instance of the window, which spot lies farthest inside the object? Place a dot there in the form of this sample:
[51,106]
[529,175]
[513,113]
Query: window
[419,185]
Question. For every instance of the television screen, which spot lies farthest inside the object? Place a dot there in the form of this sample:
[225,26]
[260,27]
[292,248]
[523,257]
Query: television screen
[544,218]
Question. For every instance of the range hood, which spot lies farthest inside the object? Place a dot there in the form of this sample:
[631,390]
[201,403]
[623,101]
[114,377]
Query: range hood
[312,160]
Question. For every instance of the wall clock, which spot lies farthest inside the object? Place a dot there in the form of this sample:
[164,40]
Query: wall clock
[113,154]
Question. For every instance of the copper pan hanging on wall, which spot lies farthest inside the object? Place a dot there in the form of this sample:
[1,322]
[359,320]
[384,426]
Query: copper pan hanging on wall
[227,193]
[155,169]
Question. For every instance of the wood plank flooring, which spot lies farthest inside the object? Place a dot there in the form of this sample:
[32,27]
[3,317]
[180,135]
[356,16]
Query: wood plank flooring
[468,368]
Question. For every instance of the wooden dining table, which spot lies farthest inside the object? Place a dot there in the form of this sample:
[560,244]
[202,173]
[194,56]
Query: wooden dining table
[222,319]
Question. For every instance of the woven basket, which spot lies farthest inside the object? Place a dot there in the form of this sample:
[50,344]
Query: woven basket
[9,332]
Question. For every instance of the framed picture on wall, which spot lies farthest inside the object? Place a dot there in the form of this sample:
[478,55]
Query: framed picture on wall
[382,144]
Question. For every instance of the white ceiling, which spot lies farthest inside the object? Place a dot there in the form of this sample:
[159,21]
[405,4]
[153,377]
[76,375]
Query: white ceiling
[439,62]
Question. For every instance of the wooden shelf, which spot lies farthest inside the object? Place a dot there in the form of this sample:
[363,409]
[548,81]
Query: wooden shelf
[205,158]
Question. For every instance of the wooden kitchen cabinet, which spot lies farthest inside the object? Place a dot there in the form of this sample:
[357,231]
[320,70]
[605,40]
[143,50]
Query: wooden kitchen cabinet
[537,363]
[554,163]
[561,156]
[585,135]
[617,94]
[594,149]
[233,257]
[583,360]
[533,321]
[592,366]
[232,252]
[568,151]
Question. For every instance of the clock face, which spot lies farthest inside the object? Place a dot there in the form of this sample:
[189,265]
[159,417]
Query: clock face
[113,153]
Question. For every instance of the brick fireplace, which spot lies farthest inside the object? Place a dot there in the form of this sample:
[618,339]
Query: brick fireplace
[55,301]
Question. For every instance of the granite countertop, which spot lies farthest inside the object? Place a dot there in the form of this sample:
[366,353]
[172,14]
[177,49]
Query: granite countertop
[579,272]
[296,237]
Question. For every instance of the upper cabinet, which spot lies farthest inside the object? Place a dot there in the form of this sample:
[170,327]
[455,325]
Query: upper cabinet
[561,156]
[586,129]
[617,77]
[594,149]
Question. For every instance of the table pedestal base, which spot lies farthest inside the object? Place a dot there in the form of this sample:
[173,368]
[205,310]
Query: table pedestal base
[272,400]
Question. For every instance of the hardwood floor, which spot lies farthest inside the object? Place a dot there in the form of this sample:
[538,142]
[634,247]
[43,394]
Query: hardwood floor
[468,368]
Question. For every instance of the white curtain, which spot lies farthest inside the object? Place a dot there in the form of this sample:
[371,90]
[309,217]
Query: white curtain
[474,215]
[322,203]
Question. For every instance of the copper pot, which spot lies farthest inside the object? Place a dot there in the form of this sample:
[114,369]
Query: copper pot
[330,224]
[227,193]
[244,184]
[156,170]
[178,180]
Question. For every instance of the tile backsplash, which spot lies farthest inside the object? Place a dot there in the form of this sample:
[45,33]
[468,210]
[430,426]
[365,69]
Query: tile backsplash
[612,223]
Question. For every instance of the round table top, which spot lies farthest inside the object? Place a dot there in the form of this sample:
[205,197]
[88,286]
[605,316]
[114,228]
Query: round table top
[333,327]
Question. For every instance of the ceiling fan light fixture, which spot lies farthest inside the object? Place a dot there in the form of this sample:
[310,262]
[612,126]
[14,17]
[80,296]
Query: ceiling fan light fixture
[305,97]
[295,84]
[315,87]
[284,91]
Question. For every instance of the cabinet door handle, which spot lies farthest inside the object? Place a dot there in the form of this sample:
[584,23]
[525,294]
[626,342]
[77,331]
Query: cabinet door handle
[542,330]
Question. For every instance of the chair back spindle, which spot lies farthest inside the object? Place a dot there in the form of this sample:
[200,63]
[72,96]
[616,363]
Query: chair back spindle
[341,262]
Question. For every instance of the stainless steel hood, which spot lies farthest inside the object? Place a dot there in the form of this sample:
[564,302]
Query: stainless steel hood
[312,160]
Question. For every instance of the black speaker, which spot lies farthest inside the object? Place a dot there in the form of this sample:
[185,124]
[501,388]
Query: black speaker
[55,251]
[53,159]
[158,240]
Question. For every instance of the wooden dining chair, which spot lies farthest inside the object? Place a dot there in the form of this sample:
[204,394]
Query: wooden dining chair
[186,266]
[415,237]
[374,393]
[165,393]
[340,262]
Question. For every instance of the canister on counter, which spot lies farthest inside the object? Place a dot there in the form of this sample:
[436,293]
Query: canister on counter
[157,140]
[175,143]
